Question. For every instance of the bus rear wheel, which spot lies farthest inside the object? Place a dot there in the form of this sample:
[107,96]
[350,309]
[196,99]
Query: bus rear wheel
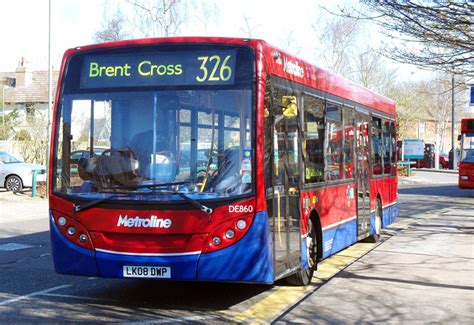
[303,277]
[378,223]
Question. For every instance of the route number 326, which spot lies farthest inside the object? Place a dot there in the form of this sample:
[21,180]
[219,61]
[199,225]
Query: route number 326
[214,68]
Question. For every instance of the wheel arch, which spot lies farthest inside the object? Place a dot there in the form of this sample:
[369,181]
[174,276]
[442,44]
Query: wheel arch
[316,220]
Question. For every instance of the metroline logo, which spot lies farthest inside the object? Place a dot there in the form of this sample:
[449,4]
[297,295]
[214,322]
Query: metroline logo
[293,68]
[152,222]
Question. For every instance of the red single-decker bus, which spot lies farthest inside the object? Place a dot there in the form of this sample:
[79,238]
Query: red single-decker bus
[213,159]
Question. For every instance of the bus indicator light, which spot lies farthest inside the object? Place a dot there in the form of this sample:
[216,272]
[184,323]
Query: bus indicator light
[216,241]
[62,221]
[82,238]
[241,224]
[230,234]
[71,231]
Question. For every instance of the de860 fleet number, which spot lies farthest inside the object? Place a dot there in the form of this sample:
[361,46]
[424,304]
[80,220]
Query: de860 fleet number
[240,208]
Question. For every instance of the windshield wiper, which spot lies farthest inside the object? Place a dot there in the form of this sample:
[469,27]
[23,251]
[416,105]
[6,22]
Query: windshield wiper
[144,185]
[80,207]
[193,202]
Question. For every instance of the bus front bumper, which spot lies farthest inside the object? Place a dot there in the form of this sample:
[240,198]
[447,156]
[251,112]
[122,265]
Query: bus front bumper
[248,260]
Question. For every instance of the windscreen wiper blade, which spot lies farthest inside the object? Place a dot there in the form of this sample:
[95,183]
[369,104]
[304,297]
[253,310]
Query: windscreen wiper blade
[90,204]
[144,185]
[193,202]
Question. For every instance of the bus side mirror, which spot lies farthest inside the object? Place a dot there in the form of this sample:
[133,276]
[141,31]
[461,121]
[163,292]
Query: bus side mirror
[290,106]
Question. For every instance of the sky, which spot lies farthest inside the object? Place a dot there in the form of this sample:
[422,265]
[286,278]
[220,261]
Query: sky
[24,26]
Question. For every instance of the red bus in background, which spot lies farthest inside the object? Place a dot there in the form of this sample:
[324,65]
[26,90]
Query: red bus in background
[223,159]
[466,163]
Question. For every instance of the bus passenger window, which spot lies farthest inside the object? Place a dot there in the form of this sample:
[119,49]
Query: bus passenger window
[348,117]
[393,155]
[334,167]
[314,138]
[377,146]
[387,147]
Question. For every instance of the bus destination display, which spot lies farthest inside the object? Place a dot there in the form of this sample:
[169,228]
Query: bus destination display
[158,69]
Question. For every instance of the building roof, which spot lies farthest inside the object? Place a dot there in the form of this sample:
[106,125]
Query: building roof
[36,90]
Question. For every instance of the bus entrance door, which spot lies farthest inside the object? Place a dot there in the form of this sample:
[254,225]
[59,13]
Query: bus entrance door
[286,207]
[362,174]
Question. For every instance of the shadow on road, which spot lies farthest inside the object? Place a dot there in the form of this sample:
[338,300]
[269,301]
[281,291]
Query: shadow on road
[31,270]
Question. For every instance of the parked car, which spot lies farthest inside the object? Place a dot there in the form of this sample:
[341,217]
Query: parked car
[78,154]
[443,160]
[15,174]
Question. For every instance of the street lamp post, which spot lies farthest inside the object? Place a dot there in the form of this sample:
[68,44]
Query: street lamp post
[453,160]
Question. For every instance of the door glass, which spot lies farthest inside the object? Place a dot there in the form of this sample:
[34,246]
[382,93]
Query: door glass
[286,179]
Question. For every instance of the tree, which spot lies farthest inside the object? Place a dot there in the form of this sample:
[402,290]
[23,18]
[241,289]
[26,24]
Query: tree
[437,35]
[31,142]
[7,124]
[159,18]
[112,29]
[248,29]
[344,47]
[337,40]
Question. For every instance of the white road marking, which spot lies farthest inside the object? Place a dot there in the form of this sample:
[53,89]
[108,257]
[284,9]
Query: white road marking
[76,297]
[12,300]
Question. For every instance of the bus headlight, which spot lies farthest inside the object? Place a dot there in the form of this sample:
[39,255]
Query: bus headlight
[229,233]
[464,177]
[216,241]
[241,224]
[62,221]
[73,230]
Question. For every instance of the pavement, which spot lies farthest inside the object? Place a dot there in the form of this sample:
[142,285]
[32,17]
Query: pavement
[430,176]
[422,273]
[17,208]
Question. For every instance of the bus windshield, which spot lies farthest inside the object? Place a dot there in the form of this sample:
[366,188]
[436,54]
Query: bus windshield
[143,134]
[467,147]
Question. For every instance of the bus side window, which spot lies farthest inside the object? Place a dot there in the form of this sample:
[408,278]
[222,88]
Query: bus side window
[334,167]
[393,155]
[348,117]
[377,146]
[387,147]
[313,139]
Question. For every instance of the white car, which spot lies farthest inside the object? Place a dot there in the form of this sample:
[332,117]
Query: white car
[16,174]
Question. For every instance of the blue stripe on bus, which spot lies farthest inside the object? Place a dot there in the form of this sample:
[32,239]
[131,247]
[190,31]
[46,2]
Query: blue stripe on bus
[248,260]
[69,258]
[340,237]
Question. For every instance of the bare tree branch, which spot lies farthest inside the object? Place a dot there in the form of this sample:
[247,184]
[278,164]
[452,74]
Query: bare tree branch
[442,31]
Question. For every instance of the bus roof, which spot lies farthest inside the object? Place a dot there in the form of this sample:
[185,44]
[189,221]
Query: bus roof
[277,62]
